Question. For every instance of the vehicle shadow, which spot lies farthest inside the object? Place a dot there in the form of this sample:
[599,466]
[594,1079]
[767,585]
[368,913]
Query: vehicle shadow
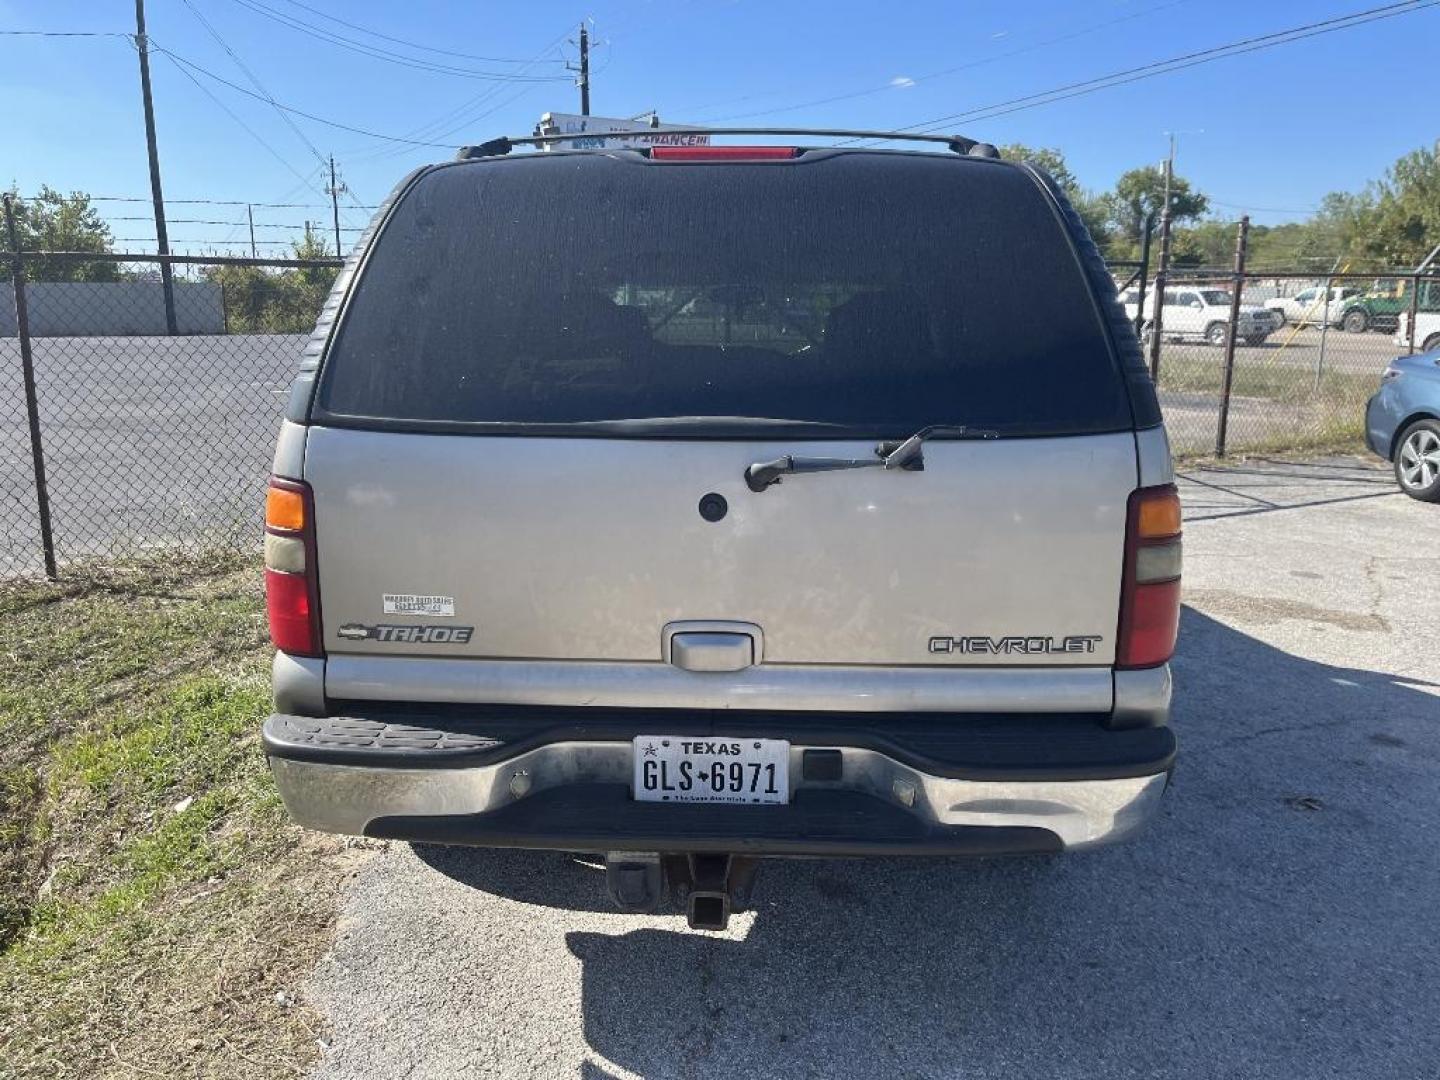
[1276,920]
[1266,485]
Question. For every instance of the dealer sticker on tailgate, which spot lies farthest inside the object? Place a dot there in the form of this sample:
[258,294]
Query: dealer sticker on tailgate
[412,604]
[693,768]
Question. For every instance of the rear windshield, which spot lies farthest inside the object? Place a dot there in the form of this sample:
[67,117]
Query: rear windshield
[876,293]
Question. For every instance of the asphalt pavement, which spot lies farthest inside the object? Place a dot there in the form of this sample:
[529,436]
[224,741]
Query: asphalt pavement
[1277,920]
[149,442]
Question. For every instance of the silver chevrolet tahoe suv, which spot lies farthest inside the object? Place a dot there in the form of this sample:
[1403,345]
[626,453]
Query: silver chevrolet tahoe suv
[692,505]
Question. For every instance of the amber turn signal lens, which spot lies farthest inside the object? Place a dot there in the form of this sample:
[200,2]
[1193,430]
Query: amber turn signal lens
[1158,514]
[284,509]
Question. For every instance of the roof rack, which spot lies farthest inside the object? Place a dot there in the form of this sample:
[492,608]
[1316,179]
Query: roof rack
[957,143]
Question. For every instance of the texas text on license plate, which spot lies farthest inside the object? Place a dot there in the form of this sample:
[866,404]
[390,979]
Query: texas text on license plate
[696,768]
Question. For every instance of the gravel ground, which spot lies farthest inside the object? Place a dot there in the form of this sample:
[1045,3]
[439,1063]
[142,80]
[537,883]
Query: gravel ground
[1276,921]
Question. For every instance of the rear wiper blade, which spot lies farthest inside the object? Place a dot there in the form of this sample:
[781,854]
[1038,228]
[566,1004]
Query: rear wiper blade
[905,454]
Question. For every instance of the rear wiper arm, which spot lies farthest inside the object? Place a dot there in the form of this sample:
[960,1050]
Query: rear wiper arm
[905,454]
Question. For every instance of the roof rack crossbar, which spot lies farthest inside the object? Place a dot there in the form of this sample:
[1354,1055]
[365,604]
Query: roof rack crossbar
[958,143]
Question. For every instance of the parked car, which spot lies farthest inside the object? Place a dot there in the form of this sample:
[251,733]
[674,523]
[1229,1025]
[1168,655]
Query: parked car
[1309,307]
[1427,331]
[1202,313]
[1402,423]
[1381,308]
[557,558]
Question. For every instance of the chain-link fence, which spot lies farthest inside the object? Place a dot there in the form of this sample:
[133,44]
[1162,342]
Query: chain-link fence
[1305,353]
[143,440]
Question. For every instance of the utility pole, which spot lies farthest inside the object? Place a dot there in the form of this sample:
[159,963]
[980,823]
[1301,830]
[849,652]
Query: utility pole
[1157,305]
[1157,321]
[584,71]
[1169,172]
[162,237]
[1149,227]
[250,214]
[334,191]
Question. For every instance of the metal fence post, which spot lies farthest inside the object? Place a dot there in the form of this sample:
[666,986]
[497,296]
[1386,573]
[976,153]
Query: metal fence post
[1144,273]
[1161,275]
[1414,313]
[1324,330]
[1241,237]
[32,404]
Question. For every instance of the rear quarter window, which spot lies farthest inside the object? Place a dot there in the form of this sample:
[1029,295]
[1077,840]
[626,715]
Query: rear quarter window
[876,292]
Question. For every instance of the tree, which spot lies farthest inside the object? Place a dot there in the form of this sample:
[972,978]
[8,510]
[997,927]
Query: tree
[309,285]
[1090,206]
[273,300]
[55,222]
[1207,243]
[1296,245]
[1140,193]
[1406,222]
[1046,158]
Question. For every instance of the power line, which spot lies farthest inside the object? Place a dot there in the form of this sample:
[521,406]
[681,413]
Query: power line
[435,129]
[233,116]
[402,41]
[1261,209]
[301,112]
[387,55]
[213,221]
[254,81]
[63,33]
[211,202]
[1176,63]
[199,243]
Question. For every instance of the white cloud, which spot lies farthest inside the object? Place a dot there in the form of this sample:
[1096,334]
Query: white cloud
[902,82]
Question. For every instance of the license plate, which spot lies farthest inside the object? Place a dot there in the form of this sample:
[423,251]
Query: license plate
[689,768]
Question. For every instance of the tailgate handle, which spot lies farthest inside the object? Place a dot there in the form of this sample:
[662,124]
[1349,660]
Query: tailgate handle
[712,650]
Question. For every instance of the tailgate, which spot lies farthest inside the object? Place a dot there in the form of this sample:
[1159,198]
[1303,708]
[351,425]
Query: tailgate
[1003,552]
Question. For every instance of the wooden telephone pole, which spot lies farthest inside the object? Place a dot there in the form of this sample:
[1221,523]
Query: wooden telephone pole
[162,237]
[334,191]
[584,71]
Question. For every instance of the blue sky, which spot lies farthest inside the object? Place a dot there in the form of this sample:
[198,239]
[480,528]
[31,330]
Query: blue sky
[1270,132]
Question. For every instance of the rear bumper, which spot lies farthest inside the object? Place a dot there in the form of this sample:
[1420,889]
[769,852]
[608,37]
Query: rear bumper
[921,786]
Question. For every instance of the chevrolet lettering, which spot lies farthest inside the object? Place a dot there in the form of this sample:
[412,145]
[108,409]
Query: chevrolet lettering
[1030,646]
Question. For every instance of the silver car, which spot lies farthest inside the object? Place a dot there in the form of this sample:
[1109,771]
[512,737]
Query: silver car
[695,505]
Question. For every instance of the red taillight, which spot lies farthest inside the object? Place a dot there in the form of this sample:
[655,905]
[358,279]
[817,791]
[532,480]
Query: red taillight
[287,600]
[292,591]
[1150,595]
[723,153]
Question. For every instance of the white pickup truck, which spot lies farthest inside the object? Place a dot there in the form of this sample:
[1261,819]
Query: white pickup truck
[1196,312]
[1309,308]
[1427,331]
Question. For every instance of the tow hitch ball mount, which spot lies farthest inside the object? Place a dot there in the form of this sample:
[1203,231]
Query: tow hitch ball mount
[711,887]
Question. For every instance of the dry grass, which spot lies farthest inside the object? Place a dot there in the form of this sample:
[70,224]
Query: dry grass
[157,911]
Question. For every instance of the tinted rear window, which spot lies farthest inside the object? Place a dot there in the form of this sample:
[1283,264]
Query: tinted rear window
[877,292]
